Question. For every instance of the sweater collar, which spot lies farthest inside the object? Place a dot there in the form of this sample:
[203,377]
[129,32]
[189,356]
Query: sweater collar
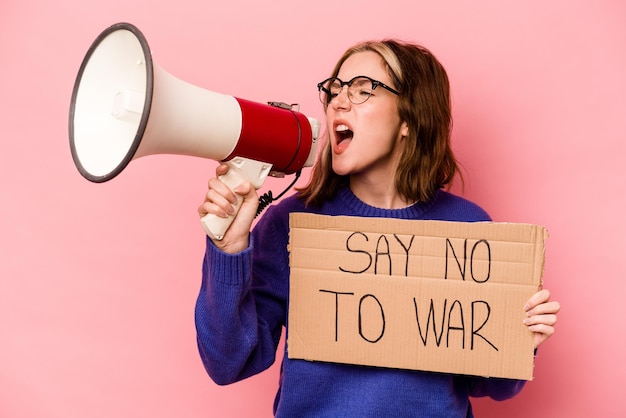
[359,208]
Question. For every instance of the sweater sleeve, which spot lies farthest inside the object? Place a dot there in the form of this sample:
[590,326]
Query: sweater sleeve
[241,306]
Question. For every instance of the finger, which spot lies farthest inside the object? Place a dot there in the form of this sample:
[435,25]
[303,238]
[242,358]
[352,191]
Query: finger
[202,211]
[550,320]
[222,169]
[218,186]
[218,200]
[545,330]
[208,206]
[250,198]
[552,307]
[541,333]
[219,204]
[538,298]
[244,189]
[211,208]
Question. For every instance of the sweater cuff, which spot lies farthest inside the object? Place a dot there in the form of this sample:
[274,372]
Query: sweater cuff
[228,269]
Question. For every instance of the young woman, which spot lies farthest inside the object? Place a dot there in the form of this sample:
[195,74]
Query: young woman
[387,154]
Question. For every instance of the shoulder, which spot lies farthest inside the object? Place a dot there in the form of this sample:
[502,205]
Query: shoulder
[277,215]
[450,207]
[289,204]
[284,207]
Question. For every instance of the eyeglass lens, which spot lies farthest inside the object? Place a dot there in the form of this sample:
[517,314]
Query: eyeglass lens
[359,90]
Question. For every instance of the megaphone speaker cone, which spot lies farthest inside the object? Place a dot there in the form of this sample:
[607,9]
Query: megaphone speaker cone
[111,102]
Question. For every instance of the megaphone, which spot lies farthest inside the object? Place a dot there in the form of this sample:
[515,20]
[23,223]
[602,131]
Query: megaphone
[124,106]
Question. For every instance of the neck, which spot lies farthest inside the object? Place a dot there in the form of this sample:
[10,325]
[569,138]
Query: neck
[379,194]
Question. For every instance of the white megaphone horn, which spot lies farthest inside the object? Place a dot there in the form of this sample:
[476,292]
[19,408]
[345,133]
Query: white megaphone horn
[124,107]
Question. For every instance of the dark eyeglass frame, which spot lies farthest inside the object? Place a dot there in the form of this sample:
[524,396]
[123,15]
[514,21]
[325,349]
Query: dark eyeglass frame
[375,84]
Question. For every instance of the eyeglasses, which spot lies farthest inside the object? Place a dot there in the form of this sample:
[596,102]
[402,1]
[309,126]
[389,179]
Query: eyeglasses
[360,89]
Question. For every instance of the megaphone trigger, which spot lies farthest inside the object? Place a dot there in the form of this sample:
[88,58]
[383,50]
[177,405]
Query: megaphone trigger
[240,170]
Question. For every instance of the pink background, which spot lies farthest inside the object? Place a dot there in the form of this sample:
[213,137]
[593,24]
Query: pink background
[98,282]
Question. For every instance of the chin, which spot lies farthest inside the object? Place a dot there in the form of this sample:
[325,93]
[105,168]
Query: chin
[340,169]
[343,170]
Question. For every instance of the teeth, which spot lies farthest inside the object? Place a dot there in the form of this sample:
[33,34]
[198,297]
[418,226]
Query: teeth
[341,128]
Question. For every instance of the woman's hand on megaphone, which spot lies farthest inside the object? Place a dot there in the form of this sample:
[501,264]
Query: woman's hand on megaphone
[222,201]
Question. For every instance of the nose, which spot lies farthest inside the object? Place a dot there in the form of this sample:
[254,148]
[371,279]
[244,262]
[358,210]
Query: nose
[341,101]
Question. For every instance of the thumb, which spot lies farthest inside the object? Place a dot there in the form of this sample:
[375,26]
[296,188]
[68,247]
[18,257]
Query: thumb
[248,207]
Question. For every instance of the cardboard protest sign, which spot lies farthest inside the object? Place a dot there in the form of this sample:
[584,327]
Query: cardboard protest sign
[422,295]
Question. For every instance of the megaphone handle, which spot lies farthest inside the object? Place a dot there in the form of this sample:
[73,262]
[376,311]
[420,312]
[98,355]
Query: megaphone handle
[240,170]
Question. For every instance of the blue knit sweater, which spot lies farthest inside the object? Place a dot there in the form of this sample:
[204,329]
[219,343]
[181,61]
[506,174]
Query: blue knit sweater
[242,308]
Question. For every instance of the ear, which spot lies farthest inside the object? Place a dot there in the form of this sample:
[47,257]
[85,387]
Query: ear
[404,130]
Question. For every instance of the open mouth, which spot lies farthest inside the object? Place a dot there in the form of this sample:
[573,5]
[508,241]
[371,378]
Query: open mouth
[342,133]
